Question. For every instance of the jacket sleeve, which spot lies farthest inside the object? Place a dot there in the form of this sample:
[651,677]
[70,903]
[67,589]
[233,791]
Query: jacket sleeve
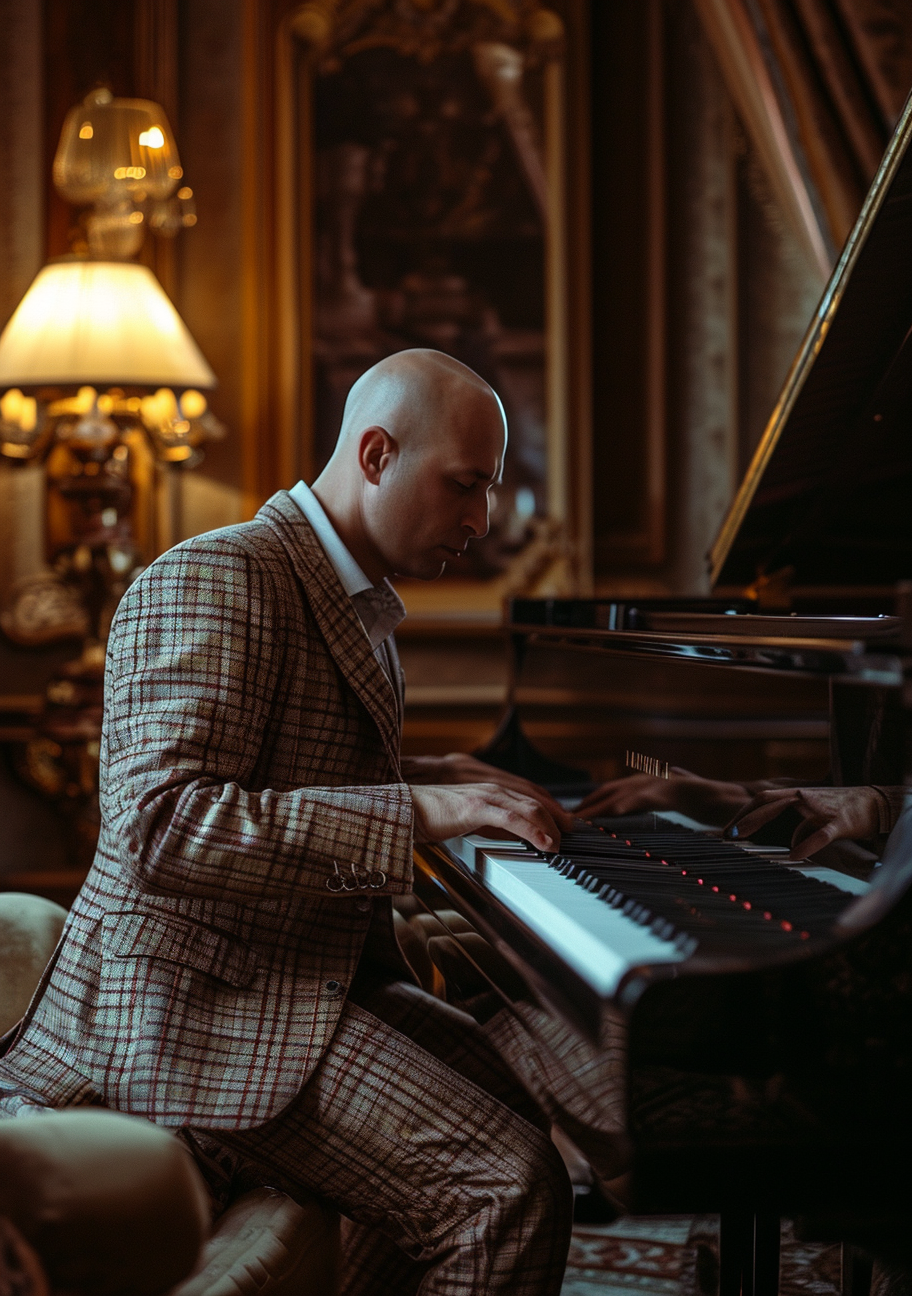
[193,662]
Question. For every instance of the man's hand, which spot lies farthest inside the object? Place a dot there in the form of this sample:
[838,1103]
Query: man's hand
[459,767]
[706,800]
[828,813]
[442,812]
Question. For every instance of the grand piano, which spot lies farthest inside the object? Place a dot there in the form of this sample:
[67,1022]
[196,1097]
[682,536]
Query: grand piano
[730,1031]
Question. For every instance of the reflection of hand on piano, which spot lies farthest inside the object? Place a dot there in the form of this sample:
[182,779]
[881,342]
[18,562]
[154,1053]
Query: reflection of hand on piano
[444,812]
[828,814]
[709,801]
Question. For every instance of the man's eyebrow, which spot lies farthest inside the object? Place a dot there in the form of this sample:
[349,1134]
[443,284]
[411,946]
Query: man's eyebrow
[476,473]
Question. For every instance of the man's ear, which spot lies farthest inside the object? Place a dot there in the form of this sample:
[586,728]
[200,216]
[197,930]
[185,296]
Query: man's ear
[376,449]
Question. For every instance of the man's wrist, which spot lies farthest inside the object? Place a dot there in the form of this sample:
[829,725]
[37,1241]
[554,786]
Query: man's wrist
[890,802]
[769,785]
[420,769]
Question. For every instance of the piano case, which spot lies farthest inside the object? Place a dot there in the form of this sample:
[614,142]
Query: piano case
[747,1080]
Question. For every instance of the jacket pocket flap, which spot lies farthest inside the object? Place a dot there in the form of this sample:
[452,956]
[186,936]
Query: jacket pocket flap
[179,940]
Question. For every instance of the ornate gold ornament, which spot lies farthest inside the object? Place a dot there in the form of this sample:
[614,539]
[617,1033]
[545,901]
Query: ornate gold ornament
[425,29]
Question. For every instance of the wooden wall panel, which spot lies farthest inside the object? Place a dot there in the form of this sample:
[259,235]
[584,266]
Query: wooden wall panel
[21,149]
[628,286]
[87,43]
[210,256]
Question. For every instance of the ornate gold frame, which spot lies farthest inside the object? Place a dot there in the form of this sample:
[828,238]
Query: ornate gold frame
[558,559]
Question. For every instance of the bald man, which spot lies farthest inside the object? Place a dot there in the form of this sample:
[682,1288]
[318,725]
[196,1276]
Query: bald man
[229,968]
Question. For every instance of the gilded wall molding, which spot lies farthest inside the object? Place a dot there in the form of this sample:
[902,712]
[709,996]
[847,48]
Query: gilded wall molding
[500,34]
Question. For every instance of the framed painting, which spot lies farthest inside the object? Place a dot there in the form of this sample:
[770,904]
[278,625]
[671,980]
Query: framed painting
[426,156]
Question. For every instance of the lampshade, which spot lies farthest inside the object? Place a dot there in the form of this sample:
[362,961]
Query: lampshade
[103,323]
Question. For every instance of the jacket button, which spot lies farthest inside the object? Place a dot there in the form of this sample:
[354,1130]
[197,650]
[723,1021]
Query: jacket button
[333,989]
[362,905]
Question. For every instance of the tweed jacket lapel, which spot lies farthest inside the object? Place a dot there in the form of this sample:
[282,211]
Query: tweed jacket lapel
[336,617]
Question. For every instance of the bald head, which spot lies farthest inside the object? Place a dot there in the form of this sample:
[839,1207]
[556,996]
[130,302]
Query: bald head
[422,441]
[413,395]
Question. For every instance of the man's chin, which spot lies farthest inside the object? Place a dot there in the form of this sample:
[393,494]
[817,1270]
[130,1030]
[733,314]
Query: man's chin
[428,571]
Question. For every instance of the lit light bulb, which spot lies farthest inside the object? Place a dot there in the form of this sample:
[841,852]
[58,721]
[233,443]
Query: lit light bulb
[11,405]
[152,138]
[193,404]
[28,414]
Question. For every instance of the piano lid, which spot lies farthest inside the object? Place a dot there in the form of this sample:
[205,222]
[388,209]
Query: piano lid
[829,491]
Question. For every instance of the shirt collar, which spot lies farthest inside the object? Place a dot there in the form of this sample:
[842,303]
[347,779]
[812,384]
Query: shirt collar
[351,576]
[379,607]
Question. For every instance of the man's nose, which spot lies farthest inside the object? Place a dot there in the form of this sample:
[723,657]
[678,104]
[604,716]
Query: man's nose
[477,517]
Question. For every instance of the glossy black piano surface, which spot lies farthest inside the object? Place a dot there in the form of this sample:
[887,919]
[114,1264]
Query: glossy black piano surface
[627,902]
[778,1007]
[828,495]
[800,1005]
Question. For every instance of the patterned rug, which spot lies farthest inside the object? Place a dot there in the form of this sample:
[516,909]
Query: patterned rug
[677,1255]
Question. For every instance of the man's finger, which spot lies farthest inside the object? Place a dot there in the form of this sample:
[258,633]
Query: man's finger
[591,809]
[554,808]
[598,796]
[632,791]
[516,783]
[539,835]
[522,815]
[565,819]
[756,813]
[821,835]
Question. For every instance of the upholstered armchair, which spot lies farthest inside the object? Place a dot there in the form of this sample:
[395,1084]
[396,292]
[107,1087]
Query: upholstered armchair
[95,1203]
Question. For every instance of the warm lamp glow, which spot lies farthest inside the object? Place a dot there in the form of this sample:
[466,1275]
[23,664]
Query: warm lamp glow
[104,138]
[107,323]
[152,138]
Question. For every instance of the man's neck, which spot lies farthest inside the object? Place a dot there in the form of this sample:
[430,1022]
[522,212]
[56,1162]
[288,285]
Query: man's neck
[346,521]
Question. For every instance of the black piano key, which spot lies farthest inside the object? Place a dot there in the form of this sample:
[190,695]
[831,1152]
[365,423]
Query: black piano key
[691,887]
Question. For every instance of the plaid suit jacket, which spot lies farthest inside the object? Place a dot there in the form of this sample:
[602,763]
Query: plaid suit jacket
[250,748]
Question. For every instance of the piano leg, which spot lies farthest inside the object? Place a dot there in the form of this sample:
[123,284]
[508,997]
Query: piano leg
[748,1254]
[736,1251]
[857,1269]
[766,1254]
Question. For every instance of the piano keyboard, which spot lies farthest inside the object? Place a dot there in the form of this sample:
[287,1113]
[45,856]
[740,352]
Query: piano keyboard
[613,900]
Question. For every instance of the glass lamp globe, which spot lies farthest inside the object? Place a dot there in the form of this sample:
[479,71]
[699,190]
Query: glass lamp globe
[111,148]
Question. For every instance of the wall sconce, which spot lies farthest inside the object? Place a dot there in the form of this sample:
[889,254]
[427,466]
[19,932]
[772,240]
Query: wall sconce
[102,385]
[119,156]
[100,380]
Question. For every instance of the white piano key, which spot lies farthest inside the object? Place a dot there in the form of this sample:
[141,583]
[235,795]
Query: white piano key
[844,881]
[466,848]
[597,941]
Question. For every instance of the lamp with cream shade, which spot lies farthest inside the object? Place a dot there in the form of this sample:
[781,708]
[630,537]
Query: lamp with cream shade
[108,327]
[100,379]
[101,405]
[99,322]
[103,384]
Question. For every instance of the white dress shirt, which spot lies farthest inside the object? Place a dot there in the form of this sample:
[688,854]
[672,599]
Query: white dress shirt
[379,607]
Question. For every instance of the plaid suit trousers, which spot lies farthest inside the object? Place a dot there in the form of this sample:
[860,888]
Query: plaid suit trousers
[415,1129]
